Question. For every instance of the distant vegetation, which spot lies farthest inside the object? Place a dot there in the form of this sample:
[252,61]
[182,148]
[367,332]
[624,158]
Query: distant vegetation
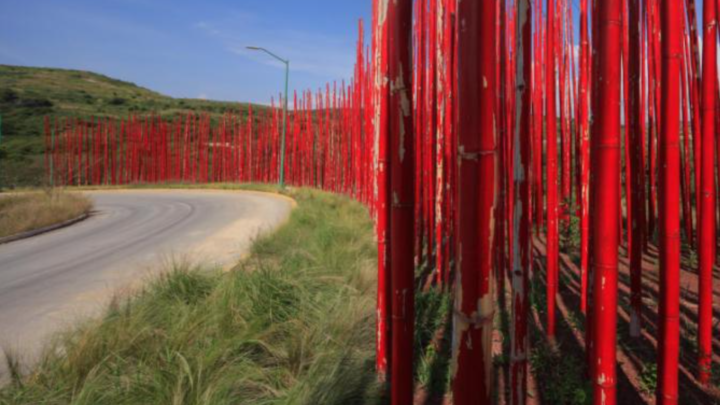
[28,211]
[28,95]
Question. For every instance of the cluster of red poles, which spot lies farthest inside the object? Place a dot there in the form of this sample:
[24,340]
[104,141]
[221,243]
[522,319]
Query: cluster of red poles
[632,122]
[468,124]
[326,147]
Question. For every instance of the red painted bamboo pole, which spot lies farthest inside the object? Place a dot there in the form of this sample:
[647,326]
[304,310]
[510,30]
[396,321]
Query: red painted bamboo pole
[669,204]
[654,59]
[251,141]
[539,199]
[606,194]
[501,211]
[477,149]
[522,209]
[562,95]
[383,322]
[450,146]
[434,94]
[419,98]
[552,248]
[441,120]
[507,250]
[584,124]
[105,159]
[685,166]
[637,180]
[626,144]
[46,156]
[592,67]
[707,231]
[399,28]
[695,89]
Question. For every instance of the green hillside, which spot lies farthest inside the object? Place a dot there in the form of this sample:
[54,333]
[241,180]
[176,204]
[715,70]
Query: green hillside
[28,94]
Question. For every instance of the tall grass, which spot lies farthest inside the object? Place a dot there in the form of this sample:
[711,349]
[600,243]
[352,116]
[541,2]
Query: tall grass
[292,324]
[32,210]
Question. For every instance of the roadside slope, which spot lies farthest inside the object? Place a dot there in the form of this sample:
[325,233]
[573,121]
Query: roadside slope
[24,212]
[291,324]
[54,279]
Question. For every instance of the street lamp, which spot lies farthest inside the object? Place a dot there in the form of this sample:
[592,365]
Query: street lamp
[285,108]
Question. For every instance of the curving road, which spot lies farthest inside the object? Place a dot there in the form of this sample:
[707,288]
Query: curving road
[51,280]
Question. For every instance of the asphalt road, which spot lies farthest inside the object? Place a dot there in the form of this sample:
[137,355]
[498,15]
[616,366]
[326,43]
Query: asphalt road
[52,280]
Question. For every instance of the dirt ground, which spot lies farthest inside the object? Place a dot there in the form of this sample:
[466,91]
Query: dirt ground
[636,357]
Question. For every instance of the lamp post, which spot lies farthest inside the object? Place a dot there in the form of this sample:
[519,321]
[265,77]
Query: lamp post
[285,107]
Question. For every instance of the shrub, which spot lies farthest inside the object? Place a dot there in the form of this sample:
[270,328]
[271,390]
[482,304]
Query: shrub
[8,96]
[117,101]
[36,102]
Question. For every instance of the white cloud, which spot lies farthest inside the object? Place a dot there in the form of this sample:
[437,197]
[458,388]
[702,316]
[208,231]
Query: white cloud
[308,52]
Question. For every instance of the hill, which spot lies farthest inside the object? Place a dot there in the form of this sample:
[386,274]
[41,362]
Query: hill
[28,94]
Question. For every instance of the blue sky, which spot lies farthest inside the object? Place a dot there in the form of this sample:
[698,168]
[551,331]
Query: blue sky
[186,48]
[192,48]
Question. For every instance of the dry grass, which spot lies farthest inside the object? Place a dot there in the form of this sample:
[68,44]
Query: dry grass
[27,211]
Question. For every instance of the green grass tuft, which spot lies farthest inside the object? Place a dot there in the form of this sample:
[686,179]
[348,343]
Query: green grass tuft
[568,384]
[433,331]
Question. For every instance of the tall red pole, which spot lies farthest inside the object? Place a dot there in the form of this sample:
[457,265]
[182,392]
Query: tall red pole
[539,200]
[420,113]
[402,259]
[668,203]
[695,89]
[552,251]
[477,150]
[522,209]
[565,182]
[637,180]
[501,211]
[382,181]
[629,208]
[440,120]
[584,124]
[435,51]
[654,69]
[685,149]
[707,203]
[606,194]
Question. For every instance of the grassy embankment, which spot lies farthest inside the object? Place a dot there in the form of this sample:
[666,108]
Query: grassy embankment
[32,210]
[28,95]
[292,324]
